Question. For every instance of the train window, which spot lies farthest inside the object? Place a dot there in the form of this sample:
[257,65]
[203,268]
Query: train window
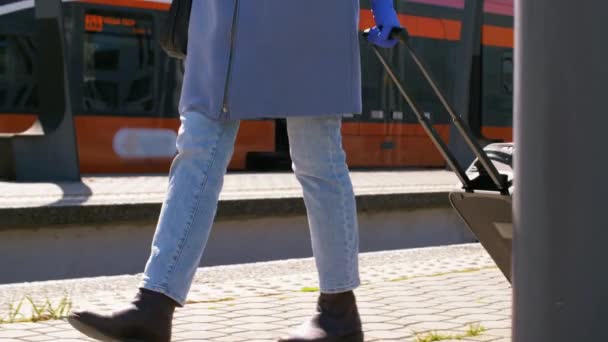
[120,63]
[3,57]
[377,114]
[17,84]
[507,72]
[3,63]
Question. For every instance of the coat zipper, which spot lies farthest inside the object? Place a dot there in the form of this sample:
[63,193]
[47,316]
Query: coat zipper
[225,109]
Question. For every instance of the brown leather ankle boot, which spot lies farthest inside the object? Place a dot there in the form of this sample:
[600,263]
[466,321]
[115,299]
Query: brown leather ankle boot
[148,318]
[337,320]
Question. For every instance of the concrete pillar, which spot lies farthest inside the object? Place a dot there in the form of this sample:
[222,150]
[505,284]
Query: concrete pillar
[560,283]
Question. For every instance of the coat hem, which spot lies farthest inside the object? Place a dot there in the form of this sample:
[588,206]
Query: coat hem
[250,116]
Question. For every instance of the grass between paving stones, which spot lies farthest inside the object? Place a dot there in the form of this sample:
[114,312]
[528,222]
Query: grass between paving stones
[219,300]
[474,330]
[466,270]
[38,312]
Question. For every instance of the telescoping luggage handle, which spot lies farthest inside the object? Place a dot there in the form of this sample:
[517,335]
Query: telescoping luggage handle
[501,183]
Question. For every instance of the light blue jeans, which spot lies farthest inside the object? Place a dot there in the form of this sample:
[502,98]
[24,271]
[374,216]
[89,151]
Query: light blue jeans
[205,147]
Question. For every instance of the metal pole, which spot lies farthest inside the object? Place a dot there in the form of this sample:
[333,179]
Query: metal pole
[560,206]
[468,80]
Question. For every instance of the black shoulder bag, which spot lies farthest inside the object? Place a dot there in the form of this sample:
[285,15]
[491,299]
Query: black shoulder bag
[174,35]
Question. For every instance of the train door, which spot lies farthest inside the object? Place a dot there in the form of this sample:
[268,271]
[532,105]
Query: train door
[497,93]
[415,147]
[387,134]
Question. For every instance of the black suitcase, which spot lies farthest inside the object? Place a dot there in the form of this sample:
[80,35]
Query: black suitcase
[484,203]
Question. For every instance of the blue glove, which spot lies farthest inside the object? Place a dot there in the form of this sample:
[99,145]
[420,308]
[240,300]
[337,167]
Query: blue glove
[386,20]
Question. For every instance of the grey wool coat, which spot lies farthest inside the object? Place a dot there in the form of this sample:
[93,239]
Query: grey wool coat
[272,58]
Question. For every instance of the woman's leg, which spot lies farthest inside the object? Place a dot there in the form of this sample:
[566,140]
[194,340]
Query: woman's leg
[319,163]
[204,149]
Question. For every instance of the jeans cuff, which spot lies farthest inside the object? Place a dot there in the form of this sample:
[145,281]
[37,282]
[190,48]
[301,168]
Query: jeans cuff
[340,289]
[179,300]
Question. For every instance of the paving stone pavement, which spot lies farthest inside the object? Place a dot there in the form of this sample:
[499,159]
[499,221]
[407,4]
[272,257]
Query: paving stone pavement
[405,295]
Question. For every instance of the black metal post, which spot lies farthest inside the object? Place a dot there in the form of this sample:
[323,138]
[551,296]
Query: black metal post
[560,204]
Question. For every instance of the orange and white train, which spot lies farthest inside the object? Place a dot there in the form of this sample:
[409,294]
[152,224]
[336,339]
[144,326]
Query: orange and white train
[125,90]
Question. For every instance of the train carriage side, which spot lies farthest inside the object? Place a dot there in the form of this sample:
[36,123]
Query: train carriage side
[386,133]
[124,88]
